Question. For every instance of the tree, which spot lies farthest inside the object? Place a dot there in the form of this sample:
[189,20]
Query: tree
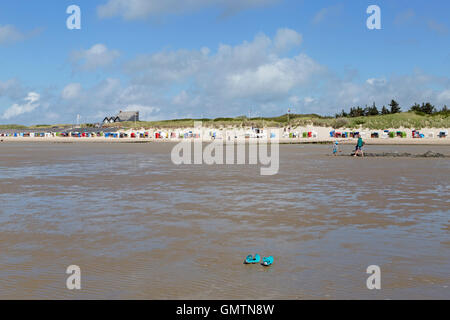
[366,111]
[395,107]
[359,112]
[352,112]
[372,111]
[356,112]
[343,114]
[385,110]
[415,108]
[427,108]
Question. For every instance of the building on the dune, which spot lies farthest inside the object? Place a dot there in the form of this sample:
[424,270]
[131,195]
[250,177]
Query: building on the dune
[123,116]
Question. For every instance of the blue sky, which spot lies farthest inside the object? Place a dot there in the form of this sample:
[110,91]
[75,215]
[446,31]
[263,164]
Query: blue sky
[213,58]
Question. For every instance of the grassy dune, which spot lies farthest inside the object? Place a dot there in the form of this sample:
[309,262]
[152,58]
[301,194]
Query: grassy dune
[405,119]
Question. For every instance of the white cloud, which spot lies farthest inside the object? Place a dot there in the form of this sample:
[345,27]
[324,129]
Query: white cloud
[229,65]
[104,96]
[71,91]
[253,75]
[376,82]
[230,80]
[98,56]
[108,97]
[141,9]
[274,78]
[31,103]
[9,34]
[286,39]
[407,89]
[176,83]
[231,76]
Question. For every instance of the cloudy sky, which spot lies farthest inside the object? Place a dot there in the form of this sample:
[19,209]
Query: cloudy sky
[213,58]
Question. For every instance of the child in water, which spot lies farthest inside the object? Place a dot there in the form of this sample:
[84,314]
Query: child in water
[359,145]
[335,148]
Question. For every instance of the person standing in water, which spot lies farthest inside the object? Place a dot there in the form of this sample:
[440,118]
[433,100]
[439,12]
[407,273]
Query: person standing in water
[359,146]
[335,148]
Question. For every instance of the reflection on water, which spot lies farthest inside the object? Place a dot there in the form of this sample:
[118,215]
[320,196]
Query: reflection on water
[140,227]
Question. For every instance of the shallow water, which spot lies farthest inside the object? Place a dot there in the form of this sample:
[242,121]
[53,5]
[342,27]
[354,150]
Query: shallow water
[140,227]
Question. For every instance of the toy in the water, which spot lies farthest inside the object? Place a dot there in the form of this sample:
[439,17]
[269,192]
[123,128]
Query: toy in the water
[252,260]
[267,261]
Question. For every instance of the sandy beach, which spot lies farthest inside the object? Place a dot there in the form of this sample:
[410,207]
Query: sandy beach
[368,141]
[141,227]
[430,136]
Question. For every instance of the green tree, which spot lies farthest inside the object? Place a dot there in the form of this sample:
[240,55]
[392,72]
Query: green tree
[395,107]
[360,112]
[356,112]
[427,108]
[385,110]
[372,111]
[415,108]
[343,114]
[444,109]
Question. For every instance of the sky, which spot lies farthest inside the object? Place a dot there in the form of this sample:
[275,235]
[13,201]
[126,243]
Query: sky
[218,58]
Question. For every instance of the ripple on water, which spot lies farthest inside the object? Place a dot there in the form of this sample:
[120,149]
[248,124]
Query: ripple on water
[143,228]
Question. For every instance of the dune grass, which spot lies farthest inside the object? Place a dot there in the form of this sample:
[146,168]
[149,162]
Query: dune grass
[409,120]
[399,120]
[12,126]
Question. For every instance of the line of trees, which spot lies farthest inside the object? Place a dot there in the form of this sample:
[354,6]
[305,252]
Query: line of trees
[393,107]
[428,108]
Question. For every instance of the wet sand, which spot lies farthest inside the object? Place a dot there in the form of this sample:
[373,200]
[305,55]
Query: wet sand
[140,227]
[368,141]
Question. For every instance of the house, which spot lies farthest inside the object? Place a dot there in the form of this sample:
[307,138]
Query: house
[128,116]
[123,116]
[110,120]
